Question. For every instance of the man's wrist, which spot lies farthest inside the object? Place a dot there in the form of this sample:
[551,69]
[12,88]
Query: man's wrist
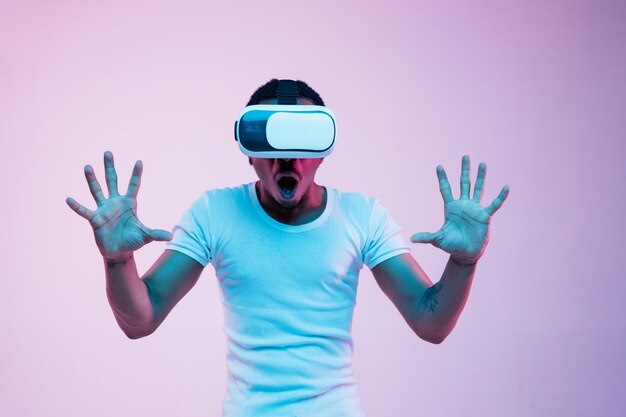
[463,262]
[121,260]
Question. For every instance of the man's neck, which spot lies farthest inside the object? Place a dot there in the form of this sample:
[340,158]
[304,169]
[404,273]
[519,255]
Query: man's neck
[309,208]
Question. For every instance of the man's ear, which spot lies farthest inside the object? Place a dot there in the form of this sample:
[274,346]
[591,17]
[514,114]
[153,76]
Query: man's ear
[250,160]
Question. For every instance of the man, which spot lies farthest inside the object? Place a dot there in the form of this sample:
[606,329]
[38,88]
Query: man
[287,253]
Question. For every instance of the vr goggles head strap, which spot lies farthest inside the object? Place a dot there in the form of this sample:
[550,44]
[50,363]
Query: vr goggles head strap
[287,92]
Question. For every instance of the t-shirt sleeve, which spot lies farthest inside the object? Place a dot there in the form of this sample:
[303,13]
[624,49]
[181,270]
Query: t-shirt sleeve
[384,239]
[190,235]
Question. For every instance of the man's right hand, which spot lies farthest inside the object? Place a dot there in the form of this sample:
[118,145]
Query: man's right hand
[117,229]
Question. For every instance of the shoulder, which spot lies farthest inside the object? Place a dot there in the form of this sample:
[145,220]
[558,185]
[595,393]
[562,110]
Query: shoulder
[355,207]
[238,191]
[216,195]
[221,198]
[361,208]
[353,200]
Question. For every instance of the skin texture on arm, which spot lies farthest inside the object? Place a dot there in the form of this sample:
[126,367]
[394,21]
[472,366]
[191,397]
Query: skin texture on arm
[433,310]
[168,281]
[140,305]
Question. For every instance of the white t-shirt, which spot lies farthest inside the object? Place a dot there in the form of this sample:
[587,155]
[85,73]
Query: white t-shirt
[288,294]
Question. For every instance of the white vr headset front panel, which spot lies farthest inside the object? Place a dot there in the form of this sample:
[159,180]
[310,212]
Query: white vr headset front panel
[286,131]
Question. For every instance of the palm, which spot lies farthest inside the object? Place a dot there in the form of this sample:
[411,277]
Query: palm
[116,228]
[465,231]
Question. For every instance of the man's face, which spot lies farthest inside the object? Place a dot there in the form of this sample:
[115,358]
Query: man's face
[286,180]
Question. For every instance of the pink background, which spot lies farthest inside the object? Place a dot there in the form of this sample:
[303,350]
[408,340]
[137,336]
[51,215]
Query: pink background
[535,89]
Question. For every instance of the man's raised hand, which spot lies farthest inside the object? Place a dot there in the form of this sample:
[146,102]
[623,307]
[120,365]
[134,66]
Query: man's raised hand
[465,231]
[116,228]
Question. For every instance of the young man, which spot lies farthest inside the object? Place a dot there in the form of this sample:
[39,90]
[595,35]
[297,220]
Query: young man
[287,253]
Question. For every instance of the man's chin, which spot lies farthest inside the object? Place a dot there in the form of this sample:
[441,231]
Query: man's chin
[288,204]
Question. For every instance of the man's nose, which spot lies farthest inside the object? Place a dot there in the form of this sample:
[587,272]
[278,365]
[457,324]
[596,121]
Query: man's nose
[285,161]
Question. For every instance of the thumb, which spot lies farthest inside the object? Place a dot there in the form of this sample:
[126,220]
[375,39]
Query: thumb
[423,237]
[159,234]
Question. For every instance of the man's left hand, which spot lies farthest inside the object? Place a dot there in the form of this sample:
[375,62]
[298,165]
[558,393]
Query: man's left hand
[465,231]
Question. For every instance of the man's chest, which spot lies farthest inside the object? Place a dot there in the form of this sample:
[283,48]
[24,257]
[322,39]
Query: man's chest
[259,261]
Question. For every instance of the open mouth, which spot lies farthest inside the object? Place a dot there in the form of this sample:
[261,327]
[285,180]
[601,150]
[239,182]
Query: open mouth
[287,186]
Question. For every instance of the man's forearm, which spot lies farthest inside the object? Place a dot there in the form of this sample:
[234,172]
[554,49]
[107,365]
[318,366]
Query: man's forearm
[129,298]
[442,303]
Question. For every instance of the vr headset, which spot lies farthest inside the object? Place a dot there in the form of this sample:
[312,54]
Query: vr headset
[286,130]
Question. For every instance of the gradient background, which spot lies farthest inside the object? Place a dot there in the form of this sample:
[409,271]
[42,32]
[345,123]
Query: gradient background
[535,89]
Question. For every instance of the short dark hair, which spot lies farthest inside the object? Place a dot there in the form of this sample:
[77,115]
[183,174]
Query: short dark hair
[268,91]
